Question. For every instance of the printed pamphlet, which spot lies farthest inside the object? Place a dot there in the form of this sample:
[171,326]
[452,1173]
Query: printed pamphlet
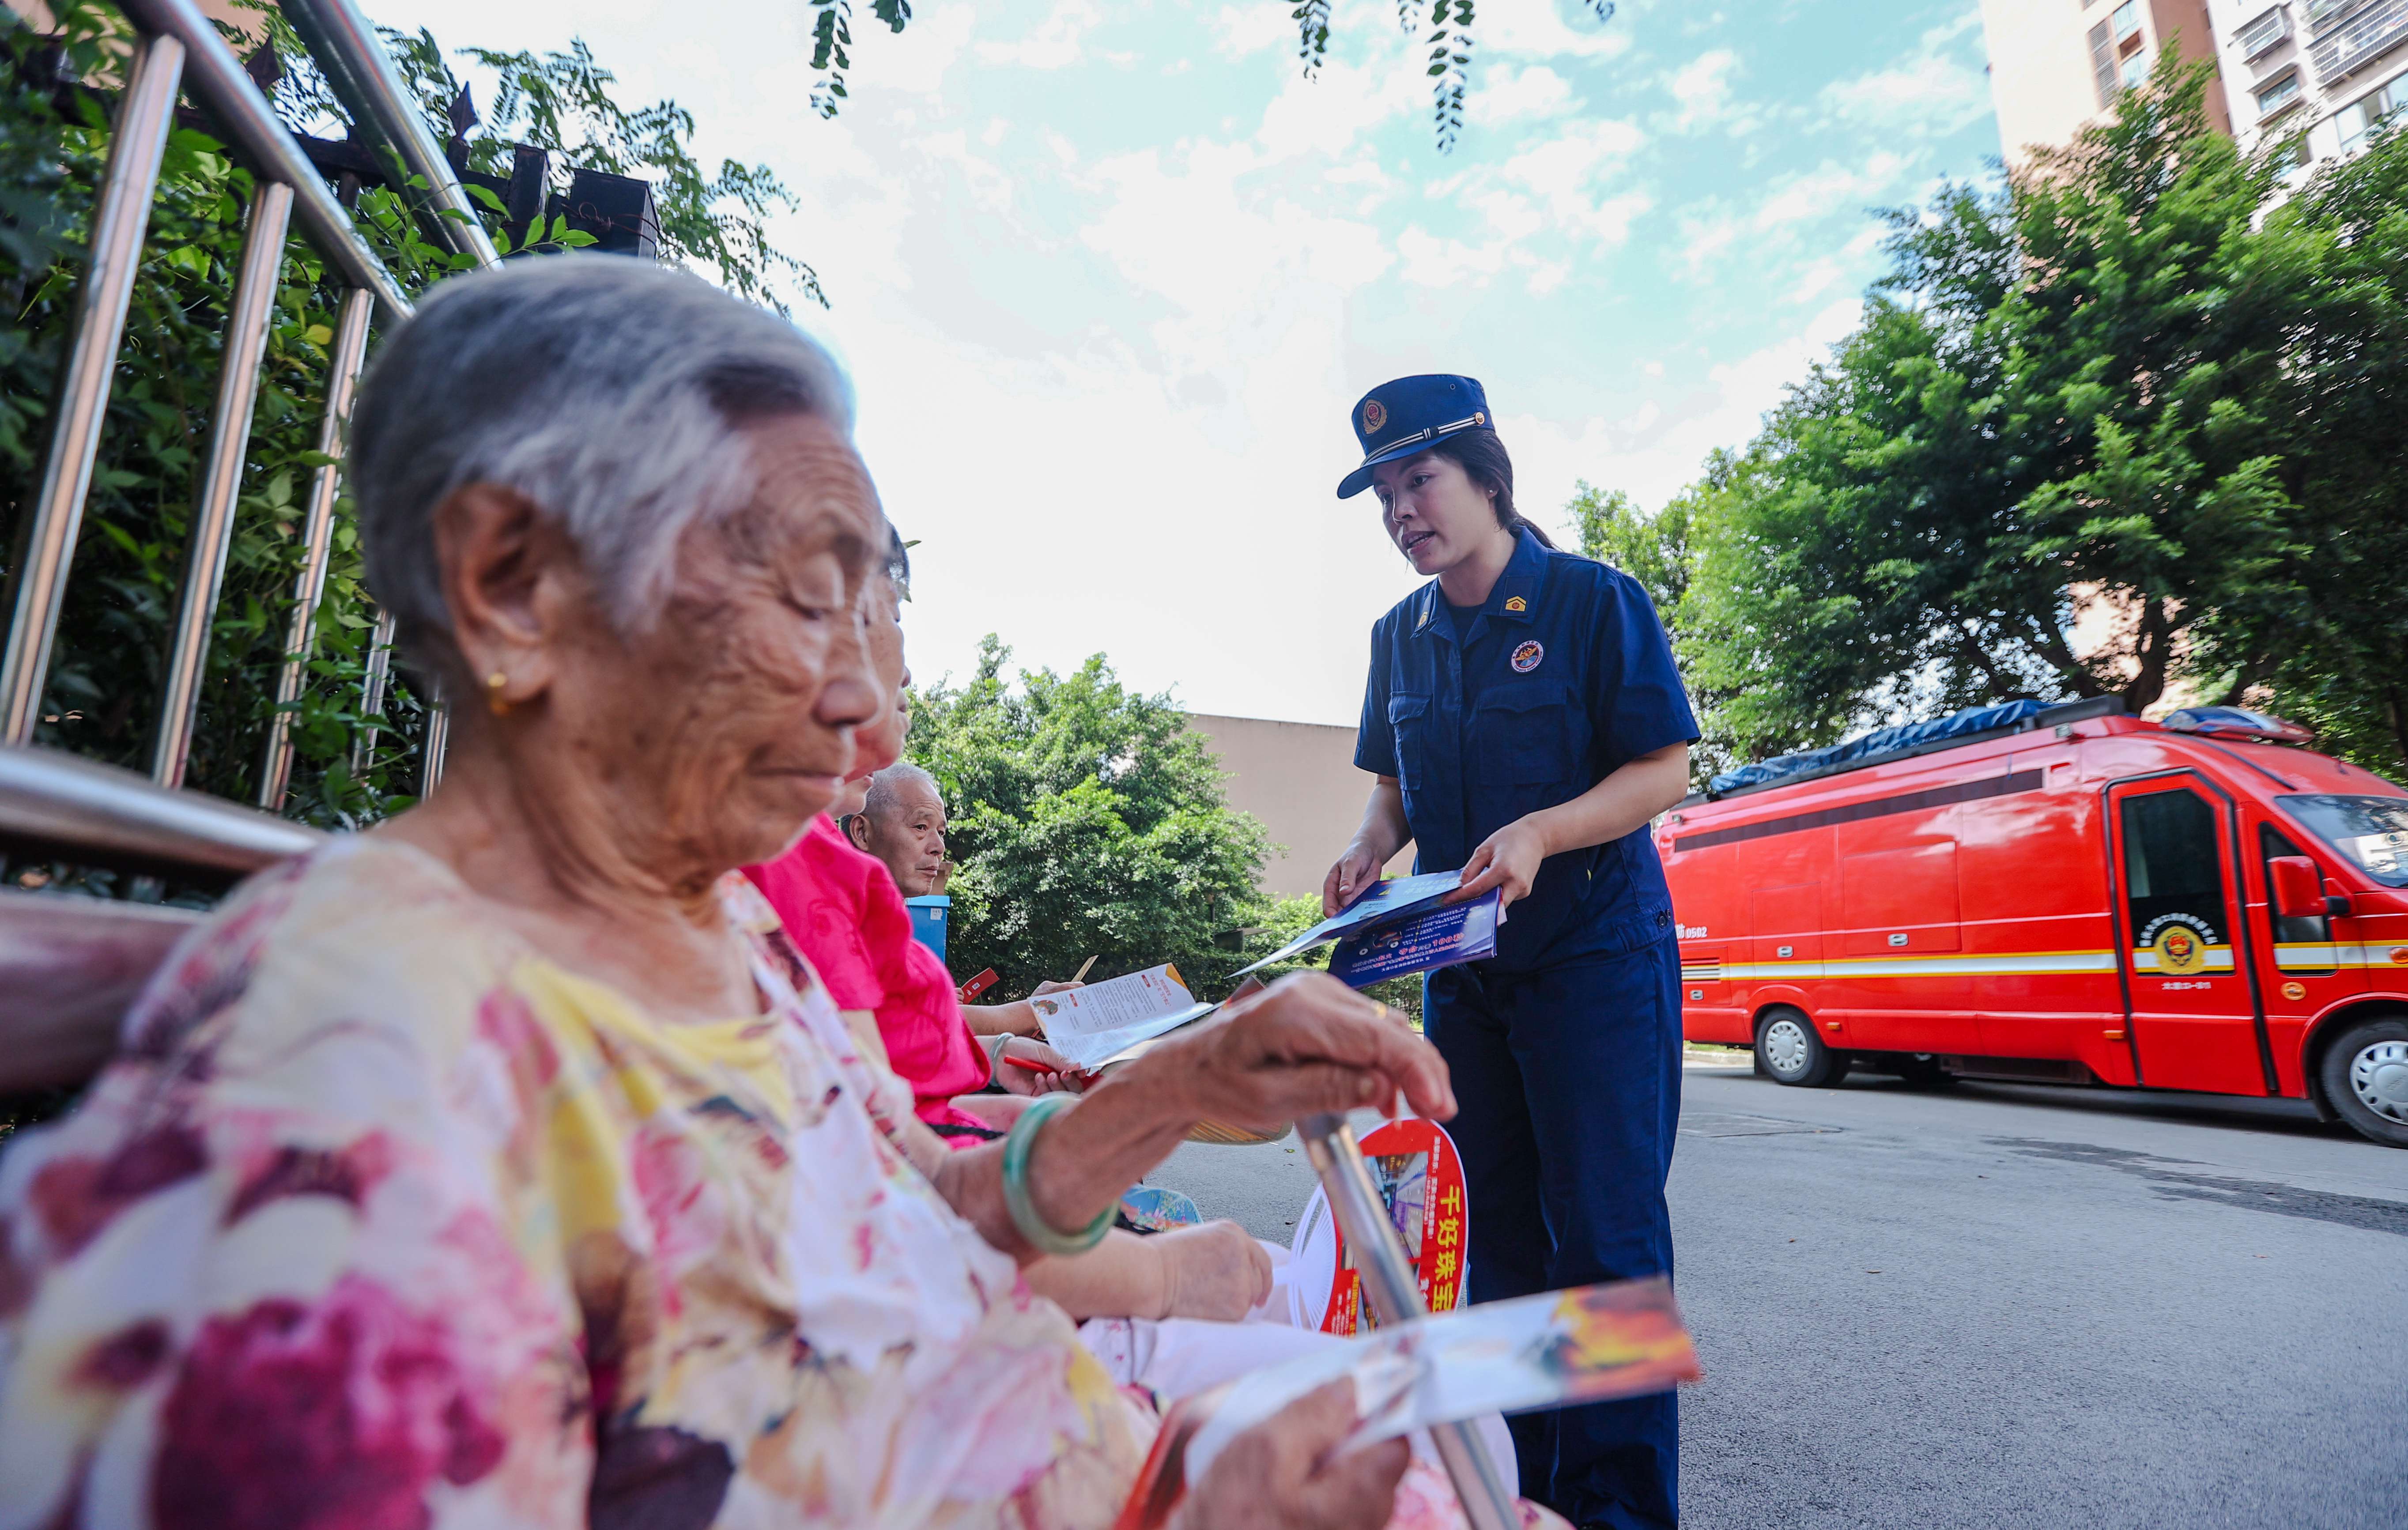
[1550,1351]
[1422,942]
[1090,1025]
[1382,901]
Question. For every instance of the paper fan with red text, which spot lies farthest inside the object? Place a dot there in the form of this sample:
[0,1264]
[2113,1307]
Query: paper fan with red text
[1419,1177]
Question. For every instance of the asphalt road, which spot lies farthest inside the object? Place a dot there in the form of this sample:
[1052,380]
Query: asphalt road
[2006,1305]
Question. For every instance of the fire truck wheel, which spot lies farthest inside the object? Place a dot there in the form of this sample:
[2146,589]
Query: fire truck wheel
[1787,1047]
[2365,1075]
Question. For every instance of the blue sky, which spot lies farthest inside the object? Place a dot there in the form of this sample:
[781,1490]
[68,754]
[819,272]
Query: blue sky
[1109,277]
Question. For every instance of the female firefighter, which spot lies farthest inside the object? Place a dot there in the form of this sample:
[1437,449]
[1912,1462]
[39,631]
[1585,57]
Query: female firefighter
[1524,721]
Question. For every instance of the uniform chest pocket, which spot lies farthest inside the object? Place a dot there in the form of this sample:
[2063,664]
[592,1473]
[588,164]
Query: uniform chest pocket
[1409,720]
[1529,733]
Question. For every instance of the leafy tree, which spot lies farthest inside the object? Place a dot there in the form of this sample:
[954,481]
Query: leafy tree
[2128,378]
[1448,41]
[1660,553]
[1652,549]
[2328,641]
[1089,821]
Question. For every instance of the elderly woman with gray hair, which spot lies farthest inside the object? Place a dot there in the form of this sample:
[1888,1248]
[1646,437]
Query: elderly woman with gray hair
[504,1166]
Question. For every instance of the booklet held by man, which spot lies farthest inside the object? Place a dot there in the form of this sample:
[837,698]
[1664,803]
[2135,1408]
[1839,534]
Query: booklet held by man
[1091,1024]
[1550,1351]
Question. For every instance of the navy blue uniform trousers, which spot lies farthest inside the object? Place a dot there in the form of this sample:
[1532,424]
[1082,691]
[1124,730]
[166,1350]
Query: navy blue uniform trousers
[1569,1083]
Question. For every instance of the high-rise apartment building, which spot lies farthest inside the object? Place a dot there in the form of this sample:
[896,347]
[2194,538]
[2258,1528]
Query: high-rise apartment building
[2325,73]
[2320,74]
[2058,65]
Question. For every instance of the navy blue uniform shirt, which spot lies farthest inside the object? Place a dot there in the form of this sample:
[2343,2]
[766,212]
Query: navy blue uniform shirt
[1564,676]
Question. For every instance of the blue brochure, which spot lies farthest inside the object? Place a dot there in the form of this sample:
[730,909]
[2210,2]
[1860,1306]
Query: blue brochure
[1391,899]
[1435,938]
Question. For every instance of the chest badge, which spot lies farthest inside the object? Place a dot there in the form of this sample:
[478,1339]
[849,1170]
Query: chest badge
[1516,603]
[1527,657]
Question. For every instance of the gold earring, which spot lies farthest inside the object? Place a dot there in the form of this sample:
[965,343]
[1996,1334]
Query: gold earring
[495,702]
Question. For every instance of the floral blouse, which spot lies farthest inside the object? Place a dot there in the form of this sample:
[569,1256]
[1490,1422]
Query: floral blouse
[384,1220]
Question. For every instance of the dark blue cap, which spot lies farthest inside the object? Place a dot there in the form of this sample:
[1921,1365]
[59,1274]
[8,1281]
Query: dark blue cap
[1400,418]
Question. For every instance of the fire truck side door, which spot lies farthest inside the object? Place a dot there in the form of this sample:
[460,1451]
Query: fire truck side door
[2195,1015]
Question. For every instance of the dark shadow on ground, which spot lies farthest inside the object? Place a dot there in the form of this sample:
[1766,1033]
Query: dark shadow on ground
[2234,1112]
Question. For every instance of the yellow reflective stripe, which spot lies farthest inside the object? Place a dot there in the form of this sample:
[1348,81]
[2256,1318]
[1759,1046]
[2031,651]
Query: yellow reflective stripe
[2289,955]
[2308,954]
[1952,965]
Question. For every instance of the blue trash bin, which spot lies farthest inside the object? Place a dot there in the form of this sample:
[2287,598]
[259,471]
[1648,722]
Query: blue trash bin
[928,921]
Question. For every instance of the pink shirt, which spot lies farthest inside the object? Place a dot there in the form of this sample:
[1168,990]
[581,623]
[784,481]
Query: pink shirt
[840,908]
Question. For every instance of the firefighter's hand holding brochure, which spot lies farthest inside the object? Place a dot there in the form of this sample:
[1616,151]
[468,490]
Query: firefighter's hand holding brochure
[1550,1351]
[1399,927]
[1091,1024]
[1389,899]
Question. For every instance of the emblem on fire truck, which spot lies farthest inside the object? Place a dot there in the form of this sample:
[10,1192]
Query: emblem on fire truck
[2180,941]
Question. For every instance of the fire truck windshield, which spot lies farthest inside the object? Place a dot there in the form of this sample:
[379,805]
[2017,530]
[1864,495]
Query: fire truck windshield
[2371,830]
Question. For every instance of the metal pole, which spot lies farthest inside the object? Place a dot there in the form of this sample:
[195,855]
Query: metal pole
[212,533]
[1397,1297]
[38,572]
[372,690]
[317,536]
[430,748]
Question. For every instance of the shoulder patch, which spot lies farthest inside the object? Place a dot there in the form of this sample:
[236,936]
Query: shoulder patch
[1516,603]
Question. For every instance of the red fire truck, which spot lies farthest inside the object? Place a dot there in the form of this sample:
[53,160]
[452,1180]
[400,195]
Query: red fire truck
[2060,894]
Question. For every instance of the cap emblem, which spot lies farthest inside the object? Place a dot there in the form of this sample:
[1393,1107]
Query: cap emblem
[1516,603]
[1527,657]
[1375,414]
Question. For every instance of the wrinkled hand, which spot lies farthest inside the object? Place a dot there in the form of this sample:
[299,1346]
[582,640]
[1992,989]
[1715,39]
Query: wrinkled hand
[1215,1271]
[1059,1073]
[1356,870]
[1305,1045]
[1281,1474]
[1508,859]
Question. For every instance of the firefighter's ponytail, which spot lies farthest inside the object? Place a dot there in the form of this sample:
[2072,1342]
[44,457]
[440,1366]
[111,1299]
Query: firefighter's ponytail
[1482,458]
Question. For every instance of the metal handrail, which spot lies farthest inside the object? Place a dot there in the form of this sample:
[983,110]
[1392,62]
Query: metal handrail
[37,583]
[212,533]
[219,83]
[177,46]
[364,79]
[317,540]
[108,816]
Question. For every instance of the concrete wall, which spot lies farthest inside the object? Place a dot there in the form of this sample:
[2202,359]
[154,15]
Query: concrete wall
[1299,779]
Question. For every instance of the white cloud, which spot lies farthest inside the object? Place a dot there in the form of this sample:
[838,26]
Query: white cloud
[1537,29]
[1250,27]
[1701,88]
[1937,89]
[1564,172]
[1658,447]
[1058,42]
[1506,94]
[1831,187]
